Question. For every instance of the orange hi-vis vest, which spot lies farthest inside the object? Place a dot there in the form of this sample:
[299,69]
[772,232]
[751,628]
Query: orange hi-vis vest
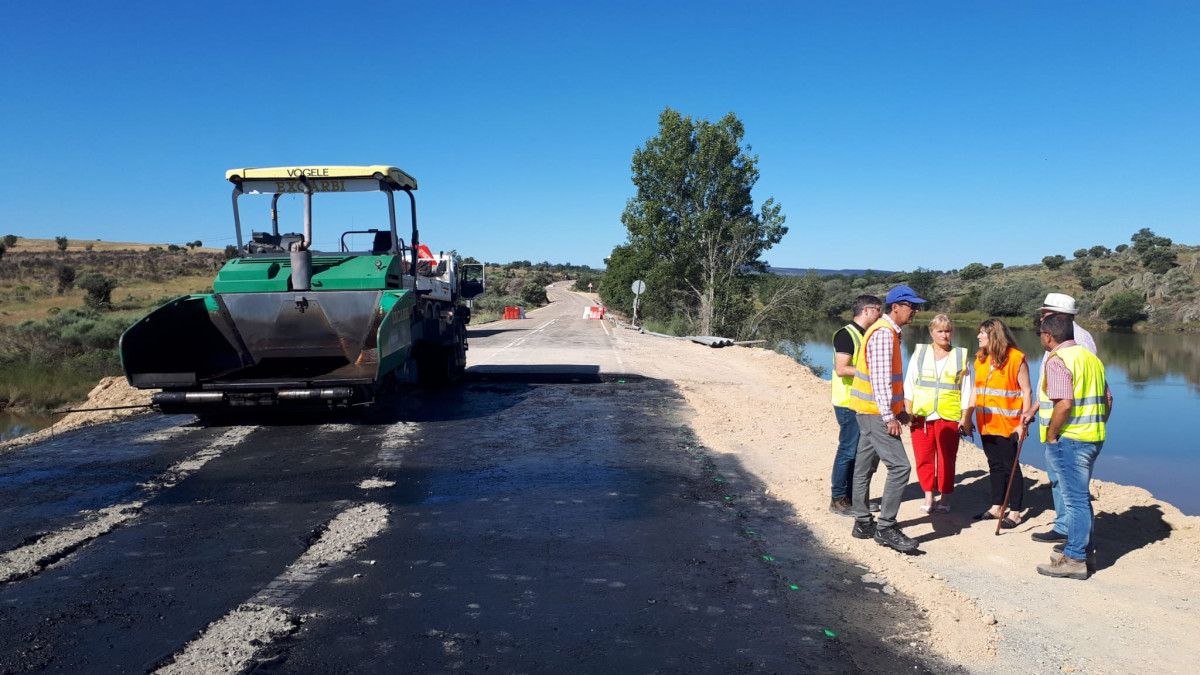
[862,397]
[998,395]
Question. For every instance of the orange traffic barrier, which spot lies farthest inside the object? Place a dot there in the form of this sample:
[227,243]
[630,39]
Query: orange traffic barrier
[593,312]
[514,312]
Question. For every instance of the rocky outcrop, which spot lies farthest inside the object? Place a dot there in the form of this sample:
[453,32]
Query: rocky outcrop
[1170,297]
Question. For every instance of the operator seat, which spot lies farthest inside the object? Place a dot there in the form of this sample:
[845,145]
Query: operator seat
[383,242]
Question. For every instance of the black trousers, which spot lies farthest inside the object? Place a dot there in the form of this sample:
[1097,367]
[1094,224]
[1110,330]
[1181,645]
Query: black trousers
[1001,454]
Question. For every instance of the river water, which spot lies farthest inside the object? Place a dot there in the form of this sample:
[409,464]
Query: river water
[1155,380]
[12,426]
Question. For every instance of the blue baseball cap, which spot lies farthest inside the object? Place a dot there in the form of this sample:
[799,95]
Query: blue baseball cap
[903,294]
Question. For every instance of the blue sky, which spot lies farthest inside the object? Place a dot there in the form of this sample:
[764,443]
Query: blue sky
[895,135]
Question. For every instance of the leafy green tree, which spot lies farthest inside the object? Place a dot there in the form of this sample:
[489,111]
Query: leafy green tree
[972,272]
[62,243]
[10,240]
[1123,308]
[997,266]
[1082,268]
[99,289]
[1080,253]
[1098,252]
[1120,248]
[788,307]
[1053,262]
[924,282]
[694,215]
[1154,251]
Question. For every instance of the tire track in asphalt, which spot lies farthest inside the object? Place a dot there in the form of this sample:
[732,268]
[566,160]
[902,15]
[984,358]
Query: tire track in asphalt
[28,560]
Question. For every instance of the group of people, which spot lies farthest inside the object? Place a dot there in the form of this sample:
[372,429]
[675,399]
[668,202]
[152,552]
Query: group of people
[946,394]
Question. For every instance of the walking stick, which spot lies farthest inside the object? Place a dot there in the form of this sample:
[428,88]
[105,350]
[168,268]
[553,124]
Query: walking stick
[1011,475]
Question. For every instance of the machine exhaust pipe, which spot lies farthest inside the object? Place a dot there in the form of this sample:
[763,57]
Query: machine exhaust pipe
[170,398]
[328,394]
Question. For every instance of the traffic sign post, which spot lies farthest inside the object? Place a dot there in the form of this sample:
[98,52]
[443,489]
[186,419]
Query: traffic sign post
[638,287]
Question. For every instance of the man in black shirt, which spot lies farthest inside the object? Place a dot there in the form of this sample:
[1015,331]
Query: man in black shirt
[847,350]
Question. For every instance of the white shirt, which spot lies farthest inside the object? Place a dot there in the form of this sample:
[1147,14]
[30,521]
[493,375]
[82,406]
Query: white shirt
[914,367]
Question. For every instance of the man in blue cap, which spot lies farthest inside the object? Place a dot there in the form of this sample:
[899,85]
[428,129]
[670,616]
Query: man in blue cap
[877,396]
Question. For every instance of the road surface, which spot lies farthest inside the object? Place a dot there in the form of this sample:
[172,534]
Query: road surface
[554,514]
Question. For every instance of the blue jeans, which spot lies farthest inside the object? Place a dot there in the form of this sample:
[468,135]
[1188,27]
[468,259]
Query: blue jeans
[1060,508]
[843,462]
[1072,461]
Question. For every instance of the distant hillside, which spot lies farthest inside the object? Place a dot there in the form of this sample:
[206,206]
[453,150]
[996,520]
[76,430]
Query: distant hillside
[798,272]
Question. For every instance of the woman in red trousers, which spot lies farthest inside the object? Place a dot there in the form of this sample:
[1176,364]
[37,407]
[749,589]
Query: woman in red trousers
[937,386]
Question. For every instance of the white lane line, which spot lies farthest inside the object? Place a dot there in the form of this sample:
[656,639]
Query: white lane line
[28,560]
[516,343]
[231,643]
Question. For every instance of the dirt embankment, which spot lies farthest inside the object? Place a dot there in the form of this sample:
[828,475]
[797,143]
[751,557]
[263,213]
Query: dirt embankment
[990,609]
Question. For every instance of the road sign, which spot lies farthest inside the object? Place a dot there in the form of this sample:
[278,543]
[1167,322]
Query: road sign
[638,287]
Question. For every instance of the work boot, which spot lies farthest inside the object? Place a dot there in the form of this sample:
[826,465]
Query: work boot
[1046,537]
[1065,567]
[1091,556]
[892,536]
[841,506]
[863,530]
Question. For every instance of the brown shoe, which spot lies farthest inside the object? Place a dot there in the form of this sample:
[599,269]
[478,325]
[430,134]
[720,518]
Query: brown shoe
[841,506]
[1064,567]
[1091,558]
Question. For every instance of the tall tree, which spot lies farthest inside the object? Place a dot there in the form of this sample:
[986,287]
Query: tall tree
[694,218]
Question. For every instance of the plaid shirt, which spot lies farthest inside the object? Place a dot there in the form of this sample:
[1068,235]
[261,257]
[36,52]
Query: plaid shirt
[1060,383]
[878,350]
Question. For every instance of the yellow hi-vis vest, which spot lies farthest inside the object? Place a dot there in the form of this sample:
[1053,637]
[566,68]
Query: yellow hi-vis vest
[942,394]
[1088,407]
[862,397]
[841,385]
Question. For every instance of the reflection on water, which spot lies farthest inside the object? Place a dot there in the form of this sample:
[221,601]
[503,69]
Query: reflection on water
[1155,380]
[12,426]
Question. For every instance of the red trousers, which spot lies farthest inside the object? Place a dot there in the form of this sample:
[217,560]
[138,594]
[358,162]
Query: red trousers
[935,447]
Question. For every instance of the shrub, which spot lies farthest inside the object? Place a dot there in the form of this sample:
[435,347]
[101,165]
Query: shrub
[10,240]
[1019,298]
[533,295]
[1159,260]
[1123,308]
[968,302]
[973,271]
[997,266]
[1054,262]
[1121,248]
[99,289]
[1098,252]
[66,278]
[62,243]
[1081,253]
[1092,283]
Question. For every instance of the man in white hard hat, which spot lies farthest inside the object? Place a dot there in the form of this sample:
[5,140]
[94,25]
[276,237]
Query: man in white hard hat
[1058,303]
